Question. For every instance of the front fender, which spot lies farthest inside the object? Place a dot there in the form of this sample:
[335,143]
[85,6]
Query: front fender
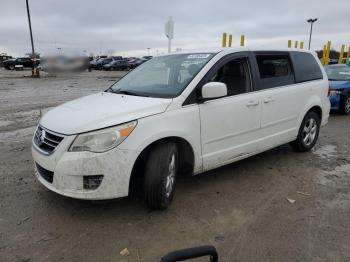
[182,123]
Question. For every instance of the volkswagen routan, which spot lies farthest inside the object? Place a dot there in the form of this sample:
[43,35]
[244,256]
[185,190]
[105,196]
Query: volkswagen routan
[182,113]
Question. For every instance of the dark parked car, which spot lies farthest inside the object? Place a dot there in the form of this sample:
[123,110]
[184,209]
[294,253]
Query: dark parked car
[21,61]
[135,62]
[98,64]
[117,65]
[147,57]
[117,57]
[4,58]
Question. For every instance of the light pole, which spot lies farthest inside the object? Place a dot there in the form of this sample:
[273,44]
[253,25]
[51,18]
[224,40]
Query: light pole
[35,72]
[148,50]
[312,21]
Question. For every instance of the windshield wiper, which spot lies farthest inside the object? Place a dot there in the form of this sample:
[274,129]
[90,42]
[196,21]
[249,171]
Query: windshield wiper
[130,93]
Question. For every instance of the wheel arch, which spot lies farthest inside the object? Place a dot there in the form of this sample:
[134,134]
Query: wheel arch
[314,103]
[317,109]
[186,161]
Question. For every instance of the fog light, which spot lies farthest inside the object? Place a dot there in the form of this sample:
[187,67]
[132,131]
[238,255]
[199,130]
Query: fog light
[92,182]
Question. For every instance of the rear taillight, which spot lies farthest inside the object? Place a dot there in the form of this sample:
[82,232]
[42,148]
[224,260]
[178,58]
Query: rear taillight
[329,91]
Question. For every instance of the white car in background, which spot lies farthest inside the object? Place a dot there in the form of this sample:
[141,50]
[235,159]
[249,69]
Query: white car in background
[183,113]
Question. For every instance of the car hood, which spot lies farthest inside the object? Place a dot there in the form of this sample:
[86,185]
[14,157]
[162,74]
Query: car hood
[99,111]
[336,85]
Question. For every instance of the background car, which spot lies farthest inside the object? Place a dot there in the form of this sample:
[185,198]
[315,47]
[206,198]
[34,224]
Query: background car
[135,62]
[339,82]
[98,64]
[4,58]
[22,61]
[147,57]
[117,65]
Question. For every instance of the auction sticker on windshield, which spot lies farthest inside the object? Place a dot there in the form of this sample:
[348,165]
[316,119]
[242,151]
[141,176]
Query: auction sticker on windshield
[197,56]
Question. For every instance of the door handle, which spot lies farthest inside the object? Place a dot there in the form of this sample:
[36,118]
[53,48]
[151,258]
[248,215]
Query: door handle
[252,103]
[268,100]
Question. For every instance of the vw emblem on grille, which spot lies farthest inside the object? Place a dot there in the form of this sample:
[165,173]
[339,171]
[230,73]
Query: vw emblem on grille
[41,136]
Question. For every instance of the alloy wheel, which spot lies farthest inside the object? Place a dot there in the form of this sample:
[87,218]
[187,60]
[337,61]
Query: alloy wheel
[309,132]
[347,105]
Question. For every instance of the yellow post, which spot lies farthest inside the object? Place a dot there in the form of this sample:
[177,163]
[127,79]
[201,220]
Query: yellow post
[301,45]
[242,40]
[296,44]
[348,55]
[327,53]
[324,54]
[229,40]
[224,36]
[340,60]
[289,43]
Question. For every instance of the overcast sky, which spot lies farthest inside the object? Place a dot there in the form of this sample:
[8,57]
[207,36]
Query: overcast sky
[129,27]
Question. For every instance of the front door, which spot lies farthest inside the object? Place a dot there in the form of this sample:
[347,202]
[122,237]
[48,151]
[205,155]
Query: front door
[230,125]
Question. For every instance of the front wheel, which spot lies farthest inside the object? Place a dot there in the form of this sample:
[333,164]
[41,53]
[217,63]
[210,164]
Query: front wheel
[345,105]
[308,133]
[160,175]
[12,67]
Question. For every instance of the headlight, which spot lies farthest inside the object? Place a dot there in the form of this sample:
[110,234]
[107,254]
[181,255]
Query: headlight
[102,140]
[335,93]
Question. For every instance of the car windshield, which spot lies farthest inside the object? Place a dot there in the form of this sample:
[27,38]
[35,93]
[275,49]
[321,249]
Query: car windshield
[338,72]
[164,76]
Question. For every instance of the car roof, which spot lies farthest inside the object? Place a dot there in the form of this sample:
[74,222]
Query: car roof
[229,50]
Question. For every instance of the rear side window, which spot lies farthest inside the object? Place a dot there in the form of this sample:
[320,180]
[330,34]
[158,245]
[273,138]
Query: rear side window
[305,67]
[275,70]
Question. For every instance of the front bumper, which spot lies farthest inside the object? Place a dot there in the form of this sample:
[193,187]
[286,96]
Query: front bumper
[69,168]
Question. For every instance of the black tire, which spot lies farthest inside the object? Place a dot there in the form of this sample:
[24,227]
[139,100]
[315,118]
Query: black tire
[157,175]
[344,105]
[302,143]
[12,67]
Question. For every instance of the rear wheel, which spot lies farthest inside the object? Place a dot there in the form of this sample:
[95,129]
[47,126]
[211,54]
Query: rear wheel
[345,105]
[11,67]
[160,175]
[308,133]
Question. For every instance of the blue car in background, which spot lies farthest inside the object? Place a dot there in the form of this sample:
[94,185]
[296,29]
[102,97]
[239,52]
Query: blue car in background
[339,82]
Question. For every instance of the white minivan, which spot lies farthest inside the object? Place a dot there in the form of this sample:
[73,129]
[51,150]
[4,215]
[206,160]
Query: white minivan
[183,113]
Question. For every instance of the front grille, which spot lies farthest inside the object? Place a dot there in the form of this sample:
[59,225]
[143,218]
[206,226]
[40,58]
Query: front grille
[44,173]
[46,141]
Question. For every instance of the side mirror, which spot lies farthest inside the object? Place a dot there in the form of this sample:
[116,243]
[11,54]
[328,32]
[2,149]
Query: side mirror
[214,90]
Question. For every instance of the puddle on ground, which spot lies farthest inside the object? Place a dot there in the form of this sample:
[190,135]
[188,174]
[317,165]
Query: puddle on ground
[340,174]
[325,152]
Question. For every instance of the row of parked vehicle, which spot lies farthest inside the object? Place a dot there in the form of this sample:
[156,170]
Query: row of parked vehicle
[117,62]
[101,63]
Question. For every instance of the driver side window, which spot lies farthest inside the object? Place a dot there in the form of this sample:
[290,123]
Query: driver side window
[235,75]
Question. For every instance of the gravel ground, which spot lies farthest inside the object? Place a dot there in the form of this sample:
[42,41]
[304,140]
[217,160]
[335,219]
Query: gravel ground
[241,209]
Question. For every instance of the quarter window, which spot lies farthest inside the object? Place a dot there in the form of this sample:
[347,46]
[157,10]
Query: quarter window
[305,66]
